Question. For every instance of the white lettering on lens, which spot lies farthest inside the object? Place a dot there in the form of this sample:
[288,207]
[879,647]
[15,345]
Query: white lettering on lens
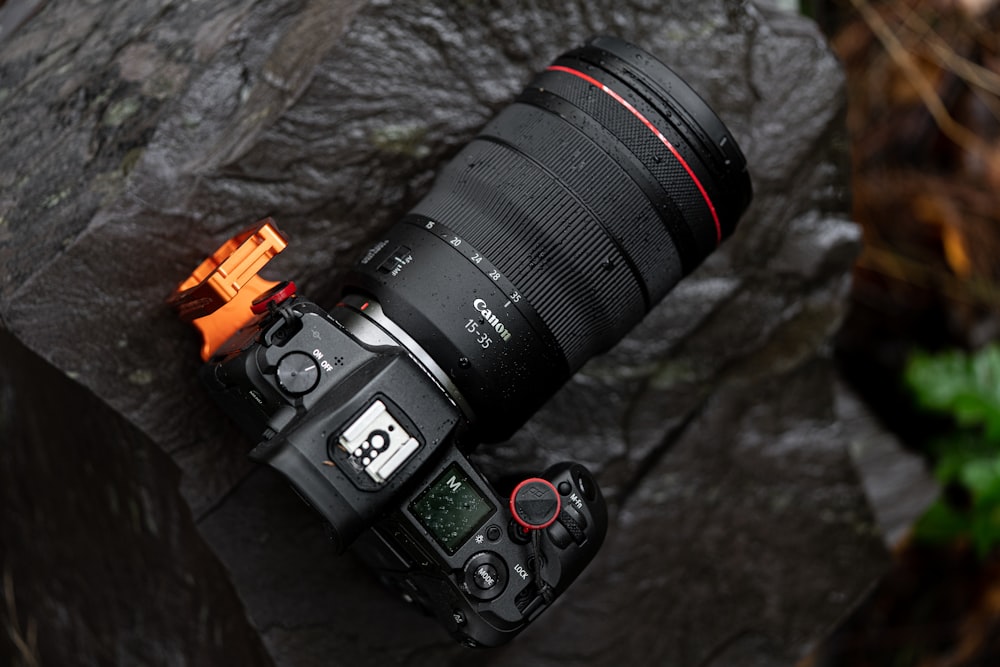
[370,255]
[453,484]
[491,319]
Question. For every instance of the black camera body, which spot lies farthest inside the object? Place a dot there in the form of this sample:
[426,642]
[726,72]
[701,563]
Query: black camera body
[367,437]
[540,244]
[485,582]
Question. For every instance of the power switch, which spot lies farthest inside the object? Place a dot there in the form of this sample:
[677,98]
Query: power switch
[297,373]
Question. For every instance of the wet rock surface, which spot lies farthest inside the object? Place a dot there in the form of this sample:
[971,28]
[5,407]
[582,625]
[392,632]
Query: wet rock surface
[146,133]
[101,560]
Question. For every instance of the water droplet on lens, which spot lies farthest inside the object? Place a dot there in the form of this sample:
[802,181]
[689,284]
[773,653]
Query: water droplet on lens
[464,362]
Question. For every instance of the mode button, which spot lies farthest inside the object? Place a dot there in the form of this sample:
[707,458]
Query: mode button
[485,575]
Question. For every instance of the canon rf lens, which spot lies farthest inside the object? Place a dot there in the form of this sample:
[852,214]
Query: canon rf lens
[554,231]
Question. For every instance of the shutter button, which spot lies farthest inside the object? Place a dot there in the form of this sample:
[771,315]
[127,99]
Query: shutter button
[535,503]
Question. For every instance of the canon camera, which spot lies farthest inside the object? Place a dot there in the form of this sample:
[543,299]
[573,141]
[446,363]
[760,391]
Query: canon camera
[542,243]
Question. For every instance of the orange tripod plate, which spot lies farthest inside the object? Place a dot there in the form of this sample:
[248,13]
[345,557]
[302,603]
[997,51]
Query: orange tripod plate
[217,296]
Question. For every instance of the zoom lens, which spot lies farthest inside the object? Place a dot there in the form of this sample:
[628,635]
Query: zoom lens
[554,231]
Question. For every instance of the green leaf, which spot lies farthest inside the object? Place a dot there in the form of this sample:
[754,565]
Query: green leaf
[953,451]
[943,524]
[977,476]
[965,386]
[986,527]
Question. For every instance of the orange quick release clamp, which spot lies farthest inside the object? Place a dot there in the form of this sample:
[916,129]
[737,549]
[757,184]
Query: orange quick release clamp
[225,292]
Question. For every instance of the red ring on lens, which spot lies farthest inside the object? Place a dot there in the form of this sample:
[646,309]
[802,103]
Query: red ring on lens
[659,135]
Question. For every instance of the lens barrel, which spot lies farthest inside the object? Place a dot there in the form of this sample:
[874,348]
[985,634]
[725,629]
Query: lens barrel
[554,231]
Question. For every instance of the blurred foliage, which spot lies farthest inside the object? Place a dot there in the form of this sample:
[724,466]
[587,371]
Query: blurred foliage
[965,387]
[924,117]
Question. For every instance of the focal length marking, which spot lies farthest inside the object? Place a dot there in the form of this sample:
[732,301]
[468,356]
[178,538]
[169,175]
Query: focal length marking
[487,317]
[515,307]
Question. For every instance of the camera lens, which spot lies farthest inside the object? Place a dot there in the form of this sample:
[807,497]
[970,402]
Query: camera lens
[554,231]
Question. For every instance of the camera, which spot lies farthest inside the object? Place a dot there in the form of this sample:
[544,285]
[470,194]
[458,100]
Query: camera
[542,243]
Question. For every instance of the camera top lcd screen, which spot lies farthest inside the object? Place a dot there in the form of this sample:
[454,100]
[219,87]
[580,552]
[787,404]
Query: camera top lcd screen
[451,508]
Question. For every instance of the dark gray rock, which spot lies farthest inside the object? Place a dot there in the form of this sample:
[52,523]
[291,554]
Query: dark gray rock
[145,133]
[101,560]
[897,482]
